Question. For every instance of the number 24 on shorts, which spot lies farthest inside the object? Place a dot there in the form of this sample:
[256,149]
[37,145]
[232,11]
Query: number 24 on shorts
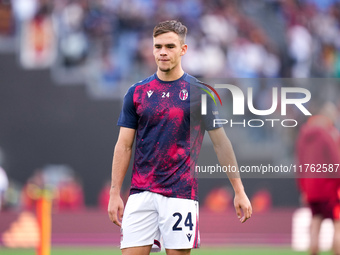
[187,222]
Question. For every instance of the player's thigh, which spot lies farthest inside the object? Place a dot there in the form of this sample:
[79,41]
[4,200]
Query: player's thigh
[140,222]
[336,221]
[141,250]
[178,223]
[336,237]
[337,228]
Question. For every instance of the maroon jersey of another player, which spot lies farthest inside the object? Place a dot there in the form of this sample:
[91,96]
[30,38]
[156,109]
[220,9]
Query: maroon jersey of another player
[319,144]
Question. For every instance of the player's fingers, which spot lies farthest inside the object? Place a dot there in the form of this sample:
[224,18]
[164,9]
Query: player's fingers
[120,213]
[117,223]
[113,216]
[115,220]
[247,214]
[250,210]
[238,211]
[243,219]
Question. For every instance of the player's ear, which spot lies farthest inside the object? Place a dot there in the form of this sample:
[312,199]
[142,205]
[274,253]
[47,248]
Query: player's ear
[184,49]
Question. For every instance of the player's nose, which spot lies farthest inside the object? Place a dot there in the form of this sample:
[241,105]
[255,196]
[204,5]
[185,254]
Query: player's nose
[163,52]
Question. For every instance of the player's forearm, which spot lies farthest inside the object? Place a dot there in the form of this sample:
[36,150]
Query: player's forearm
[226,157]
[120,164]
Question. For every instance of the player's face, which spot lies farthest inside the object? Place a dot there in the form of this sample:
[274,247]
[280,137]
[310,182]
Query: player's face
[168,49]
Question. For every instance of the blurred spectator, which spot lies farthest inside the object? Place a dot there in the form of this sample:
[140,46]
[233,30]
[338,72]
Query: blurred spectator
[32,191]
[322,5]
[261,201]
[6,18]
[319,144]
[60,183]
[24,9]
[104,196]
[38,39]
[13,196]
[69,195]
[73,42]
[219,199]
[247,59]
[300,50]
[3,186]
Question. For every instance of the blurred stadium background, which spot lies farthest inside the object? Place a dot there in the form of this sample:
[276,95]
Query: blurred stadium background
[64,68]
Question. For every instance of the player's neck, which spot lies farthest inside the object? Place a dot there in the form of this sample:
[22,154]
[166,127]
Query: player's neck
[171,75]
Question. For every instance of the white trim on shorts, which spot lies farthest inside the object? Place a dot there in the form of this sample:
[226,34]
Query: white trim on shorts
[149,216]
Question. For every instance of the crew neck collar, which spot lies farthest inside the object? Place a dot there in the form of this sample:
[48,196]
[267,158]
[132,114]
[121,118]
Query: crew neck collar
[182,77]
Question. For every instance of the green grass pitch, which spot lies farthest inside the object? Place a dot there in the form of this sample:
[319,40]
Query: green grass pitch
[115,251]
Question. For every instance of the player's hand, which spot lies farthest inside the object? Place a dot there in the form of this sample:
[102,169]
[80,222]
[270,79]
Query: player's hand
[116,209]
[242,206]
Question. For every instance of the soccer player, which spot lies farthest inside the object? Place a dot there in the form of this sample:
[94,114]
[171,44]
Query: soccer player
[319,144]
[159,111]
[3,186]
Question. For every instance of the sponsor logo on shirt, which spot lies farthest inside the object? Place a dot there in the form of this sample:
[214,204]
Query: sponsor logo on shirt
[149,93]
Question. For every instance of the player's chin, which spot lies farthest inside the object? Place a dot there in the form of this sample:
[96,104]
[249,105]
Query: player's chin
[164,69]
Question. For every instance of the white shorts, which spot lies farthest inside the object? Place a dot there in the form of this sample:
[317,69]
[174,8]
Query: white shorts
[149,216]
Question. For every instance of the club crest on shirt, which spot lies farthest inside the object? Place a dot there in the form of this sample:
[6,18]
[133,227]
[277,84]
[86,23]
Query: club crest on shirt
[183,95]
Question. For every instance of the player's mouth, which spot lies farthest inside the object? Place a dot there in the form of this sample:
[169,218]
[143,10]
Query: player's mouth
[163,60]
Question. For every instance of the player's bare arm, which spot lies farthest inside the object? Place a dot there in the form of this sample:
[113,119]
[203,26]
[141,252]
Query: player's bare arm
[226,156]
[120,164]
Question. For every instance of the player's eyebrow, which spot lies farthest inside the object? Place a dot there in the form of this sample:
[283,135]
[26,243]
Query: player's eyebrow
[166,45]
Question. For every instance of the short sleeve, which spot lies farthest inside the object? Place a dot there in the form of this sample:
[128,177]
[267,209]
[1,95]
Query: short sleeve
[197,90]
[128,116]
[212,113]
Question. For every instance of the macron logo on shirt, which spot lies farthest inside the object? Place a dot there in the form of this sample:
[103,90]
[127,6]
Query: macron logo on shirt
[149,93]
